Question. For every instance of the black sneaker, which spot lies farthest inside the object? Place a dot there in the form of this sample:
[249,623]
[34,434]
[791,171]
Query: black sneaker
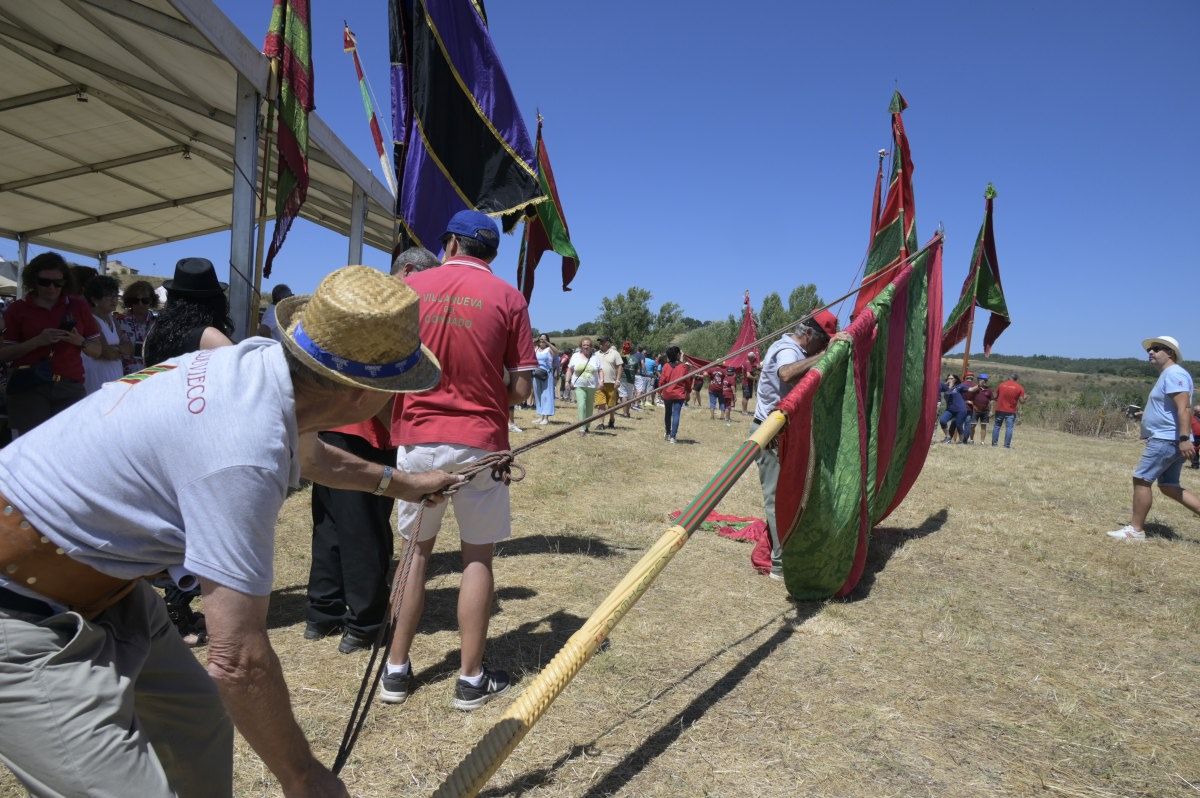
[468,697]
[316,630]
[354,641]
[394,688]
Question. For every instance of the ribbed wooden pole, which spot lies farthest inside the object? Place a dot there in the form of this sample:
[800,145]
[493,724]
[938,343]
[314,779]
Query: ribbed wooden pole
[470,776]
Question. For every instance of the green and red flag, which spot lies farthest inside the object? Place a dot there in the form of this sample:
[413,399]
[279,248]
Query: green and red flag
[545,227]
[859,423]
[894,230]
[289,40]
[350,45]
[875,201]
[982,288]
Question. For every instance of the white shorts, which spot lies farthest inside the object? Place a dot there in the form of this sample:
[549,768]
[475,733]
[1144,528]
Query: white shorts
[623,391]
[481,506]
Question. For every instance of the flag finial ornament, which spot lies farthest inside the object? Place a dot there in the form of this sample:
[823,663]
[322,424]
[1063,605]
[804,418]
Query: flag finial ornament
[989,192]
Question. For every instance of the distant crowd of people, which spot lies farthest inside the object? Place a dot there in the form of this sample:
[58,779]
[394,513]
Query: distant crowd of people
[597,377]
[968,406]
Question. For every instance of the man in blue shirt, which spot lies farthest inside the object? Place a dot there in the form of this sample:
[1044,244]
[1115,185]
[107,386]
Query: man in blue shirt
[1165,428]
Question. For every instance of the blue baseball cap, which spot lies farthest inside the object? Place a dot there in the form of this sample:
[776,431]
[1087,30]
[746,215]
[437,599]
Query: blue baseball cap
[475,225]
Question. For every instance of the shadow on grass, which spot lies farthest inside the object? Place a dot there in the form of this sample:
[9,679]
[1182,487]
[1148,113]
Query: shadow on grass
[1156,530]
[524,649]
[885,542]
[446,562]
[289,606]
[666,735]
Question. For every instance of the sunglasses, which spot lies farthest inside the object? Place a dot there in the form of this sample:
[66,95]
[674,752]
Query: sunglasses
[46,282]
[138,300]
[1156,348]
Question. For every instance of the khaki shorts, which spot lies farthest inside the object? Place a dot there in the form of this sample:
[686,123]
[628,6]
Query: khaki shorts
[481,506]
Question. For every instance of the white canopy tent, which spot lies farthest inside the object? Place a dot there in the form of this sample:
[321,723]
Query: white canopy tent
[130,123]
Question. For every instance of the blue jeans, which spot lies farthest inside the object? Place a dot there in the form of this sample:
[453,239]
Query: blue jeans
[1008,419]
[671,416]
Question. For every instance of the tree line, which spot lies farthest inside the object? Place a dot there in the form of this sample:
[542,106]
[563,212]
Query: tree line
[628,317]
[1115,366]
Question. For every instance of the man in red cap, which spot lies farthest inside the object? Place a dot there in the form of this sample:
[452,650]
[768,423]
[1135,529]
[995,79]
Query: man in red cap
[782,367]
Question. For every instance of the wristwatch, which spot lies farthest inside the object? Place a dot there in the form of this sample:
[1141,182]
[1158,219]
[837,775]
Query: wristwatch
[384,481]
[1184,438]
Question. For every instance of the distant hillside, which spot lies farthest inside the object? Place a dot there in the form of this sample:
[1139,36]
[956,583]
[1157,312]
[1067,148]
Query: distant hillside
[1114,366]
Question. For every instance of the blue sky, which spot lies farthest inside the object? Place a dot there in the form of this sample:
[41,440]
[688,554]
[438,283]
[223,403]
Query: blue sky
[703,148]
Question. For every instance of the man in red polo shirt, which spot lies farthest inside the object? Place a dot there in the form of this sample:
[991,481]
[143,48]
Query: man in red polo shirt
[478,327]
[1009,394]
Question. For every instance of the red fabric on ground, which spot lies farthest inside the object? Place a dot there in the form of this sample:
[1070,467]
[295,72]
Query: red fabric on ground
[755,530]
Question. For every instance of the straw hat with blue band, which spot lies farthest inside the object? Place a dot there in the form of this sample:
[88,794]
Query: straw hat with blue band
[362,328]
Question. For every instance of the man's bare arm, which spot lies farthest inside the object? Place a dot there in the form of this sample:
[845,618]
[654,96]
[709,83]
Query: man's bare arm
[336,468]
[794,371]
[1183,412]
[520,386]
[250,681]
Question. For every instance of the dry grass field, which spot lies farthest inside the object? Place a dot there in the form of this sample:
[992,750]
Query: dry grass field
[1000,643]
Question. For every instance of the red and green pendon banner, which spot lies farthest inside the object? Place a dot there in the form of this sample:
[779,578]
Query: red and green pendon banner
[289,40]
[894,231]
[859,425]
[982,288]
[545,227]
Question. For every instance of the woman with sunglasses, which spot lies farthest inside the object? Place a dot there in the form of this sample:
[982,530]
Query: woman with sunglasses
[46,333]
[140,301]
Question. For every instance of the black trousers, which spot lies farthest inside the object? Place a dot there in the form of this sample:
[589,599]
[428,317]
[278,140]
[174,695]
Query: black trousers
[351,548]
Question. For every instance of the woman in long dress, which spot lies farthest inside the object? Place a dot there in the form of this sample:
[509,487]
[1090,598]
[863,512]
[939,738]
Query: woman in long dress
[543,387]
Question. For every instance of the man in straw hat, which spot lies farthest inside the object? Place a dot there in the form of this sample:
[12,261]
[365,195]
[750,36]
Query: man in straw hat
[106,697]
[479,326]
[783,365]
[1166,430]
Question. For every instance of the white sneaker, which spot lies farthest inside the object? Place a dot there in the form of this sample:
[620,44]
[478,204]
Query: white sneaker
[514,428]
[1127,532]
[670,440]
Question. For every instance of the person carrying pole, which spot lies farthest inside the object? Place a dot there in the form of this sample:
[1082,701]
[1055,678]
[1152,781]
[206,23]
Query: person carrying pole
[783,365]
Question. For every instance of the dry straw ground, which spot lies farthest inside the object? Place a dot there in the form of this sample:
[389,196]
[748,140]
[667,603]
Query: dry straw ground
[999,645]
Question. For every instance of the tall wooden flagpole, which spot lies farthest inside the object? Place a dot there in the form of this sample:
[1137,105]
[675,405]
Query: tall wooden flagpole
[260,250]
[967,350]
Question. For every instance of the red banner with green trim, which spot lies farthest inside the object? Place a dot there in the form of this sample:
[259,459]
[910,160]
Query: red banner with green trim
[894,232]
[859,426]
[289,39]
[982,288]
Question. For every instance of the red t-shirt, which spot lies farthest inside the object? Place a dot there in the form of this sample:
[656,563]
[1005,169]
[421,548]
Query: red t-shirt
[716,381]
[25,319]
[1195,426]
[477,325]
[981,399]
[1007,395]
[730,384]
[670,373]
[372,431]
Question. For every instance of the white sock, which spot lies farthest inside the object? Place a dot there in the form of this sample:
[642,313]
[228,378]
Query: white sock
[398,670]
[474,681]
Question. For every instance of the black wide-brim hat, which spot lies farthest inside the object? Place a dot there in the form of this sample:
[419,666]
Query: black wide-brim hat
[360,328]
[195,277]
